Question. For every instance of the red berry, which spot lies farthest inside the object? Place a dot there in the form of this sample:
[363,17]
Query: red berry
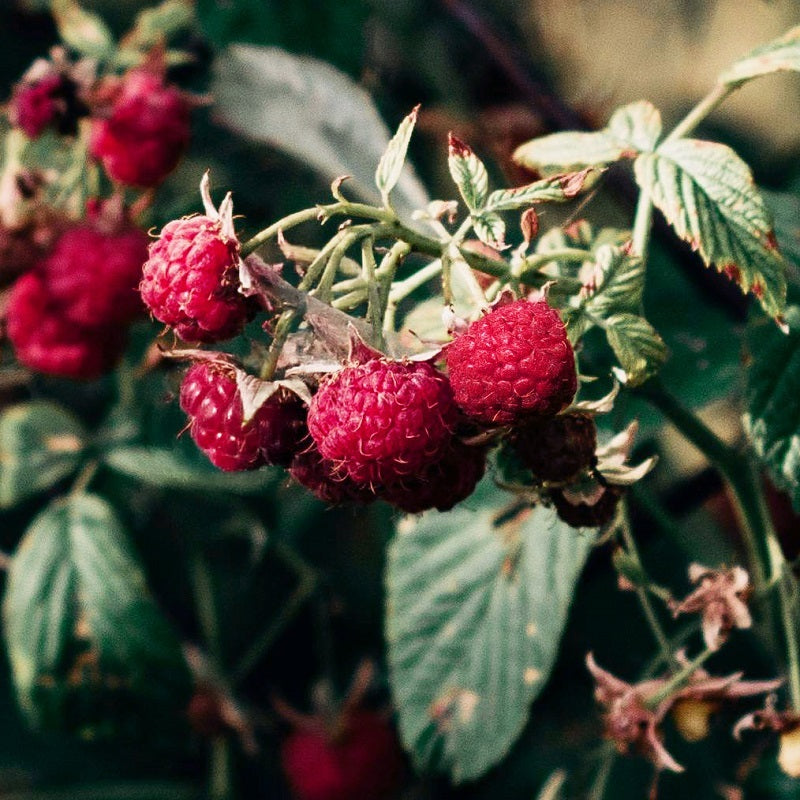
[583,515]
[46,341]
[190,281]
[383,421]
[360,762]
[146,132]
[441,484]
[513,363]
[93,274]
[211,399]
[50,101]
[321,477]
[556,448]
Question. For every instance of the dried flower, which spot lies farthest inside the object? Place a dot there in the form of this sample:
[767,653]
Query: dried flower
[720,597]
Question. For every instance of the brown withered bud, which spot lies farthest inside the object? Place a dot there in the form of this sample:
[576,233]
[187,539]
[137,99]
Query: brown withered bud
[720,598]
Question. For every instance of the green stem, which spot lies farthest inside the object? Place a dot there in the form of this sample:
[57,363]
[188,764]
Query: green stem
[642,593]
[705,107]
[387,270]
[680,678]
[220,782]
[374,305]
[262,237]
[281,333]
[529,268]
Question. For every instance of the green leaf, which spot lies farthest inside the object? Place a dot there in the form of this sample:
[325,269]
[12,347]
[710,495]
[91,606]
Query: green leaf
[637,345]
[160,23]
[490,229]
[772,418]
[469,173]
[779,55]
[394,158]
[707,194]
[616,283]
[168,470]
[476,605]
[555,189]
[78,616]
[40,444]
[82,30]
[632,129]
[311,111]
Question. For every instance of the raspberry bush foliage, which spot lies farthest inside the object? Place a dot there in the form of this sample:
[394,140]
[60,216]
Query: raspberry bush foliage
[320,483]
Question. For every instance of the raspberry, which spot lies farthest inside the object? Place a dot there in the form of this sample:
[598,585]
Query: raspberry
[361,761]
[514,363]
[441,484]
[46,341]
[556,448]
[190,281]
[93,274]
[582,515]
[145,133]
[211,399]
[48,102]
[320,476]
[382,421]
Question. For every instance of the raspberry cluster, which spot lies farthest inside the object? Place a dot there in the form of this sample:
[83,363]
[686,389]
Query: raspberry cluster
[68,315]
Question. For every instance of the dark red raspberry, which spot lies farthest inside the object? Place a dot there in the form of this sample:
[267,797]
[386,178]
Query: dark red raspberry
[48,102]
[211,400]
[514,363]
[583,515]
[441,484]
[190,281]
[46,341]
[556,448]
[383,421]
[93,273]
[321,477]
[360,761]
[146,131]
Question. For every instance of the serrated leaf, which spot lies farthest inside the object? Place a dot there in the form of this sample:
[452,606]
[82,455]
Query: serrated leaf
[393,160]
[166,469]
[78,617]
[475,610]
[707,194]
[82,30]
[40,444]
[616,283]
[312,111]
[490,229]
[632,129]
[772,418]
[779,55]
[637,346]
[468,173]
[555,189]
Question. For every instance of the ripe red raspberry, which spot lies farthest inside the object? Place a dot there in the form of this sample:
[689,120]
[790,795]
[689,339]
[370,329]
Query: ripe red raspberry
[360,761]
[146,132]
[556,448]
[46,341]
[321,477]
[441,484]
[211,399]
[513,363]
[93,273]
[190,281]
[382,421]
[583,515]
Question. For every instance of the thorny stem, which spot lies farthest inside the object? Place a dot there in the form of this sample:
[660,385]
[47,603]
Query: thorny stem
[642,593]
[766,560]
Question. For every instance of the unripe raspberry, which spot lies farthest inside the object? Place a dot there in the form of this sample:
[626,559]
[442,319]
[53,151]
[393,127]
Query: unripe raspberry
[321,477]
[382,421]
[211,400]
[556,448]
[361,761]
[93,273]
[441,484]
[583,515]
[46,341]
[146,131]
[514,363]
[190,281]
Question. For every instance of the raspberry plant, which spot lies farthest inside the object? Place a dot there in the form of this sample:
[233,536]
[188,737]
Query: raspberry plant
[468,372]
